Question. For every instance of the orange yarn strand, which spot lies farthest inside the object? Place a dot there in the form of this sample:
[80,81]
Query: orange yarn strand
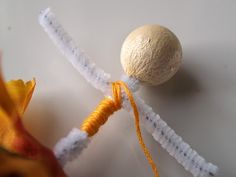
[106,108]
[138,130]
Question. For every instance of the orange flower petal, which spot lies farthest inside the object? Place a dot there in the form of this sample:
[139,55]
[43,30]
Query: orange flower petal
[6,102]
[21,93]
[7,130]
[15,96]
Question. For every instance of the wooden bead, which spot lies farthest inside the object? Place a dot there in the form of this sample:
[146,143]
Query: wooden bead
[151,54]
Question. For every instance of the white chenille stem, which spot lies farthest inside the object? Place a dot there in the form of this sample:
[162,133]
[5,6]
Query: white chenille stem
[96,76]
[160,131]
[170,141]
[70,147]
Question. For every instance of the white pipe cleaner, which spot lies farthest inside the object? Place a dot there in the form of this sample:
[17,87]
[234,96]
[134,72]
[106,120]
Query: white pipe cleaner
[69,147]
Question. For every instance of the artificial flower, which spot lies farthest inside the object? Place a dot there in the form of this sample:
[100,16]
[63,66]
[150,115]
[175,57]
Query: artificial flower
[21,155]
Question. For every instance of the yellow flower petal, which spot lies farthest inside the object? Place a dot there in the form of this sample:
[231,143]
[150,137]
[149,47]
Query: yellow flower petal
[21,93]
[15,96]
[7,130]
[6,102]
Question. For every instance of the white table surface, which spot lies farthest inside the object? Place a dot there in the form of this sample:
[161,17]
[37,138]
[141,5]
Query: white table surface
[199,103]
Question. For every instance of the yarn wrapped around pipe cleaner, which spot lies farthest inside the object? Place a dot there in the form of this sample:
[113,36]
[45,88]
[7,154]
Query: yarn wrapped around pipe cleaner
[71,146]
[106,108]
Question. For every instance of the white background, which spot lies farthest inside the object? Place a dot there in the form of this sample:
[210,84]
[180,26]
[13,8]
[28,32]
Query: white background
[199,102]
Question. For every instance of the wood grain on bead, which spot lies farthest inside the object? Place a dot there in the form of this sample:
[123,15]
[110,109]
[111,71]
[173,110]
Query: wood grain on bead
[151,54]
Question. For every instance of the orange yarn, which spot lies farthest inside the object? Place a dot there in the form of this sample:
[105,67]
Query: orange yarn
[101,114]
[106,108]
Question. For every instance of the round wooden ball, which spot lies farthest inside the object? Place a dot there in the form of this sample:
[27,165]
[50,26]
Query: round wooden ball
[152,54]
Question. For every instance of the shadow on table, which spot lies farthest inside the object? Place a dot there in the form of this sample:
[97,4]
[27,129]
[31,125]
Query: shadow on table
[183,84]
